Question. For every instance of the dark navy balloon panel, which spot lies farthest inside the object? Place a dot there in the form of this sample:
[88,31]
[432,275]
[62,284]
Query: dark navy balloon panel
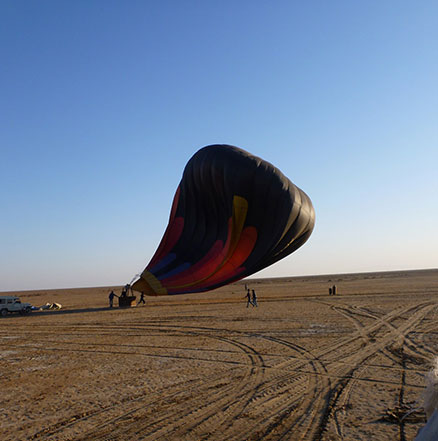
[233,214]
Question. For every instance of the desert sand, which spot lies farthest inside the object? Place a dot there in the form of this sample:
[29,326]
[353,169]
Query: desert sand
[302,365]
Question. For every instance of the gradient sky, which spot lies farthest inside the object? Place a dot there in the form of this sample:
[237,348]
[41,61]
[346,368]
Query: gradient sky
[103,103]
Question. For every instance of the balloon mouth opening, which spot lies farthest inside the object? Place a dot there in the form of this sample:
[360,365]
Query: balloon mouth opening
[148,284]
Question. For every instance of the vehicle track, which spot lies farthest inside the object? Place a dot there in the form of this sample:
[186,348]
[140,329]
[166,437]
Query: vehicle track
[284,401]
[201,384]
[197,409]
[371,348]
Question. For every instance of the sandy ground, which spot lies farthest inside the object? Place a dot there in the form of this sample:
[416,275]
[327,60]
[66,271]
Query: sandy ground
[300,366]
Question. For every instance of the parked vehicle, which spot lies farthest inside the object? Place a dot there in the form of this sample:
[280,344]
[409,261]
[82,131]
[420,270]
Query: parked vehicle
[13,304]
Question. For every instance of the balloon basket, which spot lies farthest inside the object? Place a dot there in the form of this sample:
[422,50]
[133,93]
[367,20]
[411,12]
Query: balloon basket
[127,301]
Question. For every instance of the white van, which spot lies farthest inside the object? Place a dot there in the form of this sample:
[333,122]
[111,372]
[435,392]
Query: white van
[13,304]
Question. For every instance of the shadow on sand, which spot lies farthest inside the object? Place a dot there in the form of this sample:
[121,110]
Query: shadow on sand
[61,312]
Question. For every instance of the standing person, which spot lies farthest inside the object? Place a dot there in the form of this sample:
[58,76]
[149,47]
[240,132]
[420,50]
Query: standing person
[334,290]
[111,298]
[248,298]
[254,299]
[330,291]
[141,299]
[125,291]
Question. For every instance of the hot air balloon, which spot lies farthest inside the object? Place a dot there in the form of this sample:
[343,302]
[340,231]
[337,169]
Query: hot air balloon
[233,214]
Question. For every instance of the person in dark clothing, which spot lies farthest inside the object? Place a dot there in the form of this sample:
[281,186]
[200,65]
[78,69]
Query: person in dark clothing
[334,290]
[254,299]
[248,298]
[125,290]
[111,298]
[141,299]
[330,291]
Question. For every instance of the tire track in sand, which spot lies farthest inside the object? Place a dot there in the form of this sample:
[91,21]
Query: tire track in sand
[191,411]
[379,342]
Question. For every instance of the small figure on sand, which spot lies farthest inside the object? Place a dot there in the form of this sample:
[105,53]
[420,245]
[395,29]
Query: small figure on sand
[330,291]
[254,298]
[141,299]
[111,298]
[334,290]
[125,290]
[248,298]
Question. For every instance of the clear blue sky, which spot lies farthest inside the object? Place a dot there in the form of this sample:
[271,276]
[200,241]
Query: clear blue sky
[103,103]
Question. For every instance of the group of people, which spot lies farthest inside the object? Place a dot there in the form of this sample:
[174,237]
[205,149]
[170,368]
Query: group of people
[124,293]
[251,298]
[332,290]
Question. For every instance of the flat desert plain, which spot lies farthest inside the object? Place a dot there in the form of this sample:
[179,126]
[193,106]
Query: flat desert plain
[302,365]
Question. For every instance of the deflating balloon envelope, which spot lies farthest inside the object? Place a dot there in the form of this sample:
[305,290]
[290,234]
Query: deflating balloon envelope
[233,214]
